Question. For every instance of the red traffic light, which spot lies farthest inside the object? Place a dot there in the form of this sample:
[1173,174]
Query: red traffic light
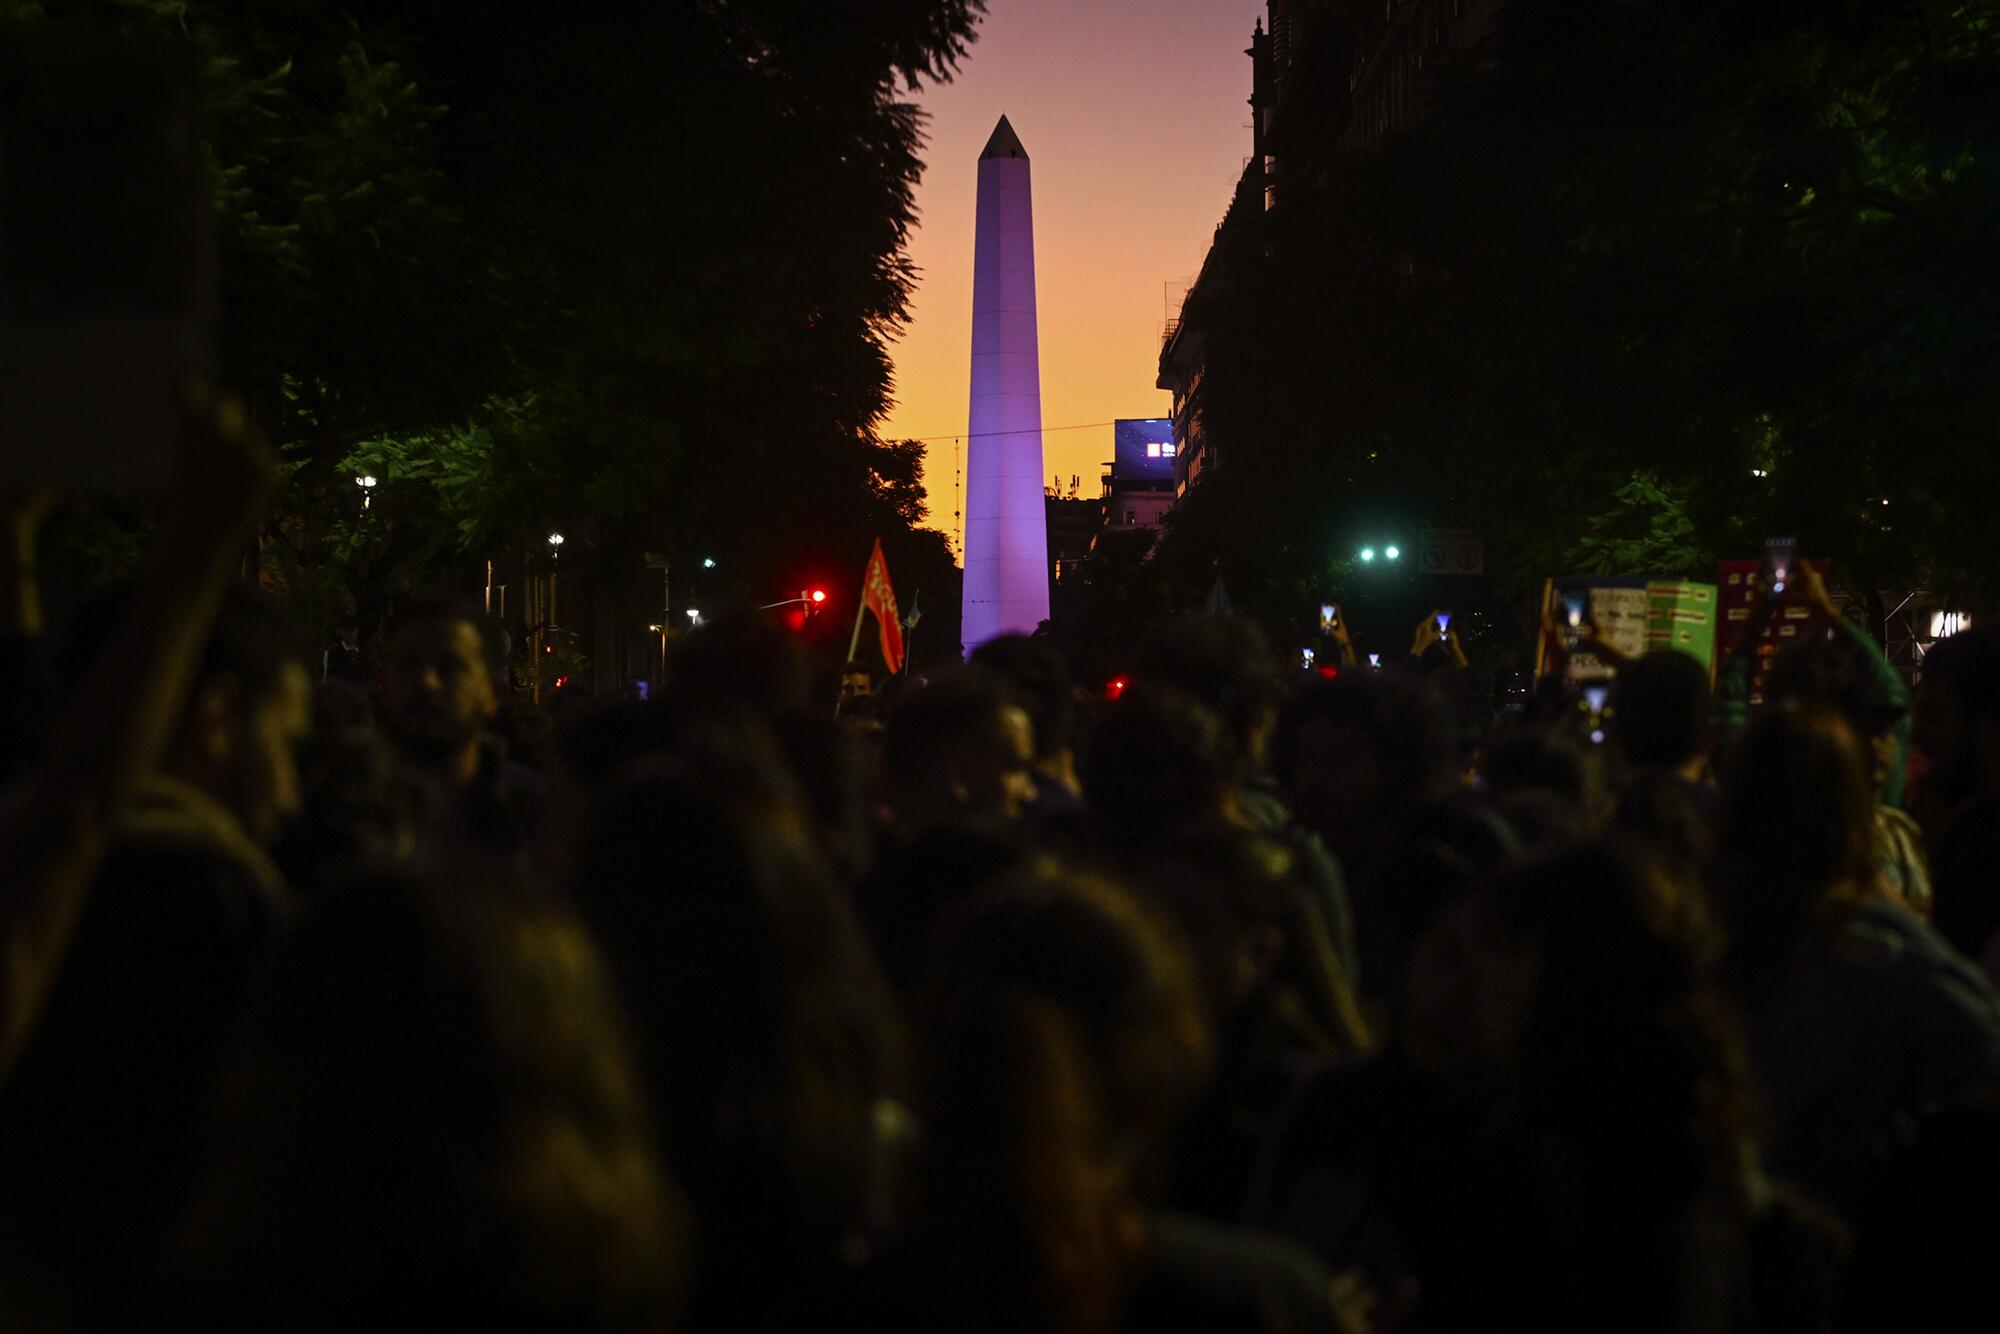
[1115,687]
[819,595]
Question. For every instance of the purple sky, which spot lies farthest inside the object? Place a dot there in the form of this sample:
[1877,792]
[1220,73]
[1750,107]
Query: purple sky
[1134,114]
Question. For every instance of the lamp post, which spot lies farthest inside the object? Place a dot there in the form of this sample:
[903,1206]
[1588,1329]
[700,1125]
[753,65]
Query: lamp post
[367,485]
[555,551]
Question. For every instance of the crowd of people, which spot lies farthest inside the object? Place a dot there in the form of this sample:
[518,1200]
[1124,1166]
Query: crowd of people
[343,989]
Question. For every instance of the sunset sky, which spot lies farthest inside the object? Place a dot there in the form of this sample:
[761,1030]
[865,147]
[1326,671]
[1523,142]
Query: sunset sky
[1135,117]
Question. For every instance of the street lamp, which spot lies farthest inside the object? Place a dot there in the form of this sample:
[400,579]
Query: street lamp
[367,485]
[1368,555]
[694,617]
[708,562]
[809,599]
[1392,553]
[555,550]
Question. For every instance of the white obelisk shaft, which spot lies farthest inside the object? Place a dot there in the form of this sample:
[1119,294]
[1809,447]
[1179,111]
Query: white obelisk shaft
[1006,539]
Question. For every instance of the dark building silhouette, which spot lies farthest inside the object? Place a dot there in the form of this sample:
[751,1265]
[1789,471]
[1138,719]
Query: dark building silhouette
[1327,77]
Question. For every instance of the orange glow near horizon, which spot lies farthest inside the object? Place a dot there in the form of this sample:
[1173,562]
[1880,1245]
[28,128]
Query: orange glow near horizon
[1135,116]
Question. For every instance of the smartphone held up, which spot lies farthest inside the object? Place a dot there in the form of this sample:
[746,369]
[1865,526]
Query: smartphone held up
[1780,564]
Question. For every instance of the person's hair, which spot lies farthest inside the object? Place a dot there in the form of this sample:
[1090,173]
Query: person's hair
[1659,810]
[1448,847]
[1838,673]
[766,1027]
[1796,826]
[1228,886]
[253,641]
[1404,718]
[362,810]
[1041,681]
[1222,661]
[1063,1039]
[1628,1058]
[1537,759]
[956,712]
[1969,662]
[439,604]
[1161,765]
[1660,710]
[435,1108]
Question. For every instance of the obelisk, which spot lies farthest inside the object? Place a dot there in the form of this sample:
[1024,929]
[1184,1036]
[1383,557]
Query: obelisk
[1006,535]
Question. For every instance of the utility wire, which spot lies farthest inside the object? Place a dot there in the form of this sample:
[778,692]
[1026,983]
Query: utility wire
[981,435]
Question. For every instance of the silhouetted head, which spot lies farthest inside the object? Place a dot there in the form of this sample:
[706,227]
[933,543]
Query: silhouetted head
[958,751]
[766,1030]
[1444,849]
[1958,712]
[1225,664]
[1571,1003]
[248,714]
[364,810]
[435,1109]
[1538,760]
[1161,766]
[1660,811]
[1041,683]
[1244,903]
[1661,710]
[442,677]
[1064,1038]
[1839,674]
[1796,835]
[1358,754]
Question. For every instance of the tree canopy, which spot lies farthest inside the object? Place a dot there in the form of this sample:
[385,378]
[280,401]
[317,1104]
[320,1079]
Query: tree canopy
[1719,267]
[625,271]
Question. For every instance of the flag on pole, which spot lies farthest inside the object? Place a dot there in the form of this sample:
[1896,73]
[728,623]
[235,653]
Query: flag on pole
[879,597]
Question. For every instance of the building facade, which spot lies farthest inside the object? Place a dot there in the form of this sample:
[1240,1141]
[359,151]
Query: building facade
[1326,77]
[1139,478]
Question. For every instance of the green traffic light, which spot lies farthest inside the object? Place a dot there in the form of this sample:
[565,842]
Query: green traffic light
[1392,553]
[1367,554]
[708,562]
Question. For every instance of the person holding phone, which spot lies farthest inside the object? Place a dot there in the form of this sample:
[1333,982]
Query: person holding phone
[1434,630]
[1336,629]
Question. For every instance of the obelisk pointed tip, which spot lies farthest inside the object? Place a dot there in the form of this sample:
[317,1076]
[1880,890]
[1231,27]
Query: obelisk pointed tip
[1004,143]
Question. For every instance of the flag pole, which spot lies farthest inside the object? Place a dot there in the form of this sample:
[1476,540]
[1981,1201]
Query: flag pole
[860,610]
[854,641]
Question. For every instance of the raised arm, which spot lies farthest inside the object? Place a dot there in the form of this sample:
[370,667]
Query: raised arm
[122,718]
[1886,677]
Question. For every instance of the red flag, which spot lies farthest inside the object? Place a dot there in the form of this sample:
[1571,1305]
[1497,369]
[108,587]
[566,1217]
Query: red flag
[878,597]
